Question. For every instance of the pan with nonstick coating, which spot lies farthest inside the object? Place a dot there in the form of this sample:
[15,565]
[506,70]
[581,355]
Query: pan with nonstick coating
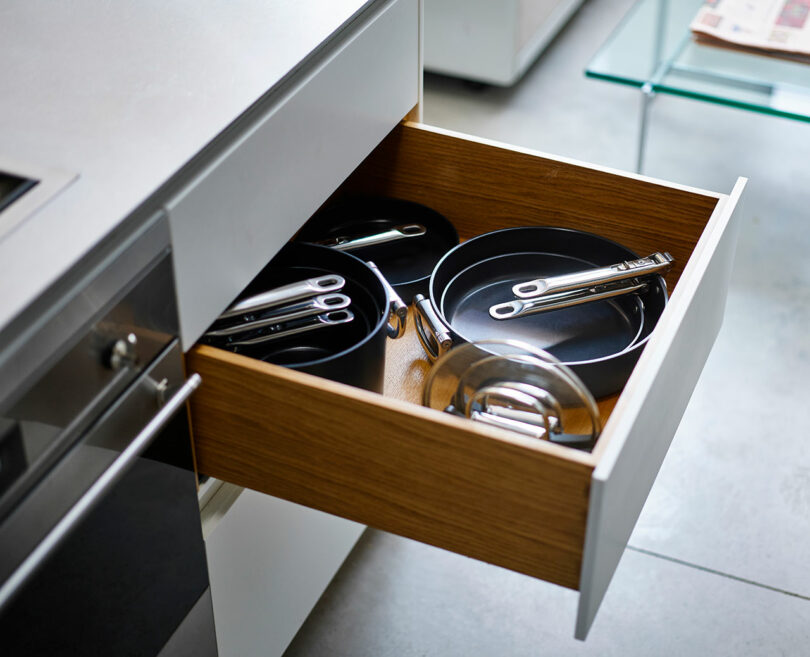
[600,340]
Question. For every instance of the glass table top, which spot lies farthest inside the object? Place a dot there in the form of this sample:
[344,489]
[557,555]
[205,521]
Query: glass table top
[653,46]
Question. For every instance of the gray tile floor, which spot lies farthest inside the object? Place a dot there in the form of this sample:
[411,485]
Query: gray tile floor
[719,561]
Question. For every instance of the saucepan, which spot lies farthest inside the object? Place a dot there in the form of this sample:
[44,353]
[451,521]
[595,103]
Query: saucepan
[483,289]
[316,310]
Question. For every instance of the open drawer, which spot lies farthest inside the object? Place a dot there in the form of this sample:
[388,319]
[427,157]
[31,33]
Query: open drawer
[383,460]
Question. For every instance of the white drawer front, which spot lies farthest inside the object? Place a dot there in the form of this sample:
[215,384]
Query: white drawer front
[232,218]
[651,409]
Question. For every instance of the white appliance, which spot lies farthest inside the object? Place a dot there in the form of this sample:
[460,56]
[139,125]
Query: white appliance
[490,41]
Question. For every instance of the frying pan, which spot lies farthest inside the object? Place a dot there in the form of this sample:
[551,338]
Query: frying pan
[405,263]
[600,341]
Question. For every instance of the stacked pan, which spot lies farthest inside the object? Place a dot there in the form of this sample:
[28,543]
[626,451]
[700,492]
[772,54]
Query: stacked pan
[323,306]
[545,319]
[588,301]
[317,310]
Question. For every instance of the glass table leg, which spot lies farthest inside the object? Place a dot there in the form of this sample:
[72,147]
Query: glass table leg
[647,95]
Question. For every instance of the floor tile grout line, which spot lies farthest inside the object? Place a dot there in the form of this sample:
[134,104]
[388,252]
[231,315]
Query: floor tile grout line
[718,572]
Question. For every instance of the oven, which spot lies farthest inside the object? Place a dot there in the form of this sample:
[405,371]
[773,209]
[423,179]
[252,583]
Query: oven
[101,549]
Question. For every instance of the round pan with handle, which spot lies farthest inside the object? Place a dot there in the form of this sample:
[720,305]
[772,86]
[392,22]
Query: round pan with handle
[600,340]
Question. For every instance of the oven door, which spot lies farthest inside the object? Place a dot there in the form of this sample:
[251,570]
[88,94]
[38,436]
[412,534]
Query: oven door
[123,572]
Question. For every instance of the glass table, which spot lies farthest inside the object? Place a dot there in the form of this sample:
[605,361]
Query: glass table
[652,49]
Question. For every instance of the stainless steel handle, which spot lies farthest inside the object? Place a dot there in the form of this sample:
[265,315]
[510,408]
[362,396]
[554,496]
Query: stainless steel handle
[482,396]
[535,425]
[524,417]
[397,310]
[532,430]
[657,263]
[524,428]
[406,231]
[286,294]
[548,400]
[332,318]
[522,308]
[433,335]
[588,402]
[321,304]
[111,475]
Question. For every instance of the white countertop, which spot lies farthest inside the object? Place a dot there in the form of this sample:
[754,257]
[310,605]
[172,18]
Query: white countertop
[124,94]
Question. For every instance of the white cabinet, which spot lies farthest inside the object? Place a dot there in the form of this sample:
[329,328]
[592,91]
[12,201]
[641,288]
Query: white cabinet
[269,561]
[490,41]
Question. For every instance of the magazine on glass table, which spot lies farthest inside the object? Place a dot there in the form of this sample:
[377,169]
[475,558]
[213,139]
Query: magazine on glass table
[780,28]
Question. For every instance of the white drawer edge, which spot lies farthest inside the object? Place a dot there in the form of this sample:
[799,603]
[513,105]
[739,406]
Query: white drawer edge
[647,415]
[650,362]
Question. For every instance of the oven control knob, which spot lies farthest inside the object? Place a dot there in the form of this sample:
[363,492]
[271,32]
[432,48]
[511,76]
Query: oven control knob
[124,353]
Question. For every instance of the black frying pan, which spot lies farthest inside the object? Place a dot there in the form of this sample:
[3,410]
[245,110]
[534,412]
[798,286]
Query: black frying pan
[601,340]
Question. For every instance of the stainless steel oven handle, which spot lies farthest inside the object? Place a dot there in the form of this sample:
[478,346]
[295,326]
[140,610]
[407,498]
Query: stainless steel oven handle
[86,502]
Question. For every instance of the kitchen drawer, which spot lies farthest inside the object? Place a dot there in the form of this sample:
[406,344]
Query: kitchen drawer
[537,508]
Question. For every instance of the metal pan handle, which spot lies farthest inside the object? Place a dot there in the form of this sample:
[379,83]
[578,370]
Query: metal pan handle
[542,424]
[433,335]
[524,428]
[286,294]
[317,322]
[406,231]
[572,440]
[397,310]
[323,303]
[510,395]
[657,263]
[525,307]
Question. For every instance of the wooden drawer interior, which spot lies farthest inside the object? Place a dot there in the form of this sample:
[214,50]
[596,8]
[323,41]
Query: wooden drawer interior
[388,462]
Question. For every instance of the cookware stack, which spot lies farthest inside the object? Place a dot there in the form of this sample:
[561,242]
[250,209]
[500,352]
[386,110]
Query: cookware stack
[605,299]
[317,310]
[525,326]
